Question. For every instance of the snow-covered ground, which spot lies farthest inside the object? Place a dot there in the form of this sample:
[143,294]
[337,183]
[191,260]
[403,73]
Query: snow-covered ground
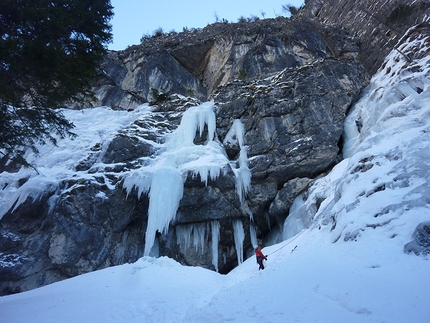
[367,281]
[343,259]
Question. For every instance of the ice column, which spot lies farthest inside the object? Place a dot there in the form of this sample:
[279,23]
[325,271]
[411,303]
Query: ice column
[235,135]
[239,237]
[253,235]
[215,241]
[164,179]
[243,176]
[164,196]
[199,235]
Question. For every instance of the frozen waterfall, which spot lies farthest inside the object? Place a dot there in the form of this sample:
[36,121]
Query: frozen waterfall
[243,175]
[166,181]
[239,237]
[197,235]
[163,180]
[215,240]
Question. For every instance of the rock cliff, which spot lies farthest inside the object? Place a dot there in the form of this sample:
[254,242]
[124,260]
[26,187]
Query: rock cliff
[289,82]
[194,63]
[378,25]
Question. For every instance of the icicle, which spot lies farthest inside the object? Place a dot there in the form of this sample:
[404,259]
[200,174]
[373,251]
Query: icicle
[253,235]
[208,171]
[209,120]
[195,118]
[235,135]
[139,179]
[183,235]
[119,253]
[243,176]
[239,237]
[163,180]
[164,196]
[215,240]
[207,116]
[240,131]
[199,235]
[196,231]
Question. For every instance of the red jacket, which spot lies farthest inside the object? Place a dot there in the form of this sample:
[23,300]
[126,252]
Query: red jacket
[259,253]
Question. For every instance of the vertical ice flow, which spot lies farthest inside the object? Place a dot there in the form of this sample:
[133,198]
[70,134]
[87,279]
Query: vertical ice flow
[180,157]
[235,135]
[166,182]
[198,232]
[253,235]
[215,240]
[239,237]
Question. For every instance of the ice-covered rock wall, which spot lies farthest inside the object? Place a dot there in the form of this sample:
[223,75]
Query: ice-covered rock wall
[385,174]
[281,89]
[163,179]
[377,24]
[126,189]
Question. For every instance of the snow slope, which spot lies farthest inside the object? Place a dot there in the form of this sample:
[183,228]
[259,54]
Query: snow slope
[344,258]
[317,282]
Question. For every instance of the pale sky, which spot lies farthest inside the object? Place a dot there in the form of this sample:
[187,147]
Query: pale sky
[135,18]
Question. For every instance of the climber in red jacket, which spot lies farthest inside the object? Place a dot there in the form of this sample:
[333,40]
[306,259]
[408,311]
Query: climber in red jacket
[260,257]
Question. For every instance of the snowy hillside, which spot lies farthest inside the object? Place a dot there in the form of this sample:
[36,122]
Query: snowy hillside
[344,256]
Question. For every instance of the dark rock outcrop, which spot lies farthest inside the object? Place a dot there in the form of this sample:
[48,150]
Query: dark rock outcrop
[420,245]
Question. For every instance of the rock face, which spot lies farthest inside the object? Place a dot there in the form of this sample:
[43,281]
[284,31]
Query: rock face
[194,63]
[377,24]
[80,233]
[421,240]
[289,83]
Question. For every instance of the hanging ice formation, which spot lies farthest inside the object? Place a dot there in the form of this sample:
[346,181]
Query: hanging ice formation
[198,232]
[239,237]
[197,235]
[163,180]
[243,183]
[215,240]
[243,175]
[253,235]
[166,182]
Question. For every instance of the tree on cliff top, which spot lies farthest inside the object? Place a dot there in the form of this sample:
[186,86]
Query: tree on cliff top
[50,51]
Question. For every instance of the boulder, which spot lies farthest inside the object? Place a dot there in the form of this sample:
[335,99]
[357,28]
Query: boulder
[420,245]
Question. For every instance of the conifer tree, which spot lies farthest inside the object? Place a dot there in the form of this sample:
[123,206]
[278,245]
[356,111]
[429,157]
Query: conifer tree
[50,51]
